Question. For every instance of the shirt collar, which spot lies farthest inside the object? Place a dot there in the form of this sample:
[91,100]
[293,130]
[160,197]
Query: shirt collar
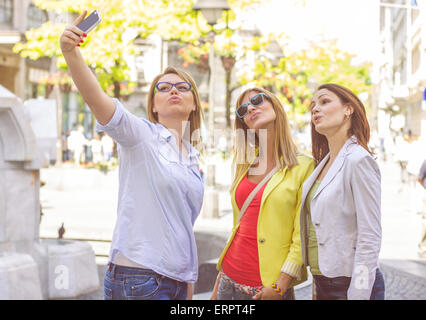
[164,132]
[193,154]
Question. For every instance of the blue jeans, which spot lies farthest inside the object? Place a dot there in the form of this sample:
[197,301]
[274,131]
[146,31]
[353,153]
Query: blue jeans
[125,283]
[337,288]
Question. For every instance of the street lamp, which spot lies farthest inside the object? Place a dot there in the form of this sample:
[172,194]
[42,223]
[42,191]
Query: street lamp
[275,52]
[212,11]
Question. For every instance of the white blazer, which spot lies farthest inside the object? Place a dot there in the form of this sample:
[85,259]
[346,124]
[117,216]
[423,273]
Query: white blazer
[345,212]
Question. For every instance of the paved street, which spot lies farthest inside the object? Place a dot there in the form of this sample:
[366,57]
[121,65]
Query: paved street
[86,200]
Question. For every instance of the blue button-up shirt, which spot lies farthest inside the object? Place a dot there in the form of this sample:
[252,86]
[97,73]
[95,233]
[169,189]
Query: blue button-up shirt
[160,196]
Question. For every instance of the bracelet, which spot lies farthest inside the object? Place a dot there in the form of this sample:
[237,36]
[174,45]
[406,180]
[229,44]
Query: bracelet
[277,289]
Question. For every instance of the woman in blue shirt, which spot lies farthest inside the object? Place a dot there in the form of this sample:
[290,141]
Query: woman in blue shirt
[153,252]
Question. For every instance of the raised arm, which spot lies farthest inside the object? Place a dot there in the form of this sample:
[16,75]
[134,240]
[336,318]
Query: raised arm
[99,102]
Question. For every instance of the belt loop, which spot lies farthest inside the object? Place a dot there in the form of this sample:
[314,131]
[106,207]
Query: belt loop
[112,269]
[115,270]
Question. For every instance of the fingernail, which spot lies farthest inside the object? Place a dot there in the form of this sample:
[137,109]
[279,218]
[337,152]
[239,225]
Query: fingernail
[81,41]
[78,45]
[84,35]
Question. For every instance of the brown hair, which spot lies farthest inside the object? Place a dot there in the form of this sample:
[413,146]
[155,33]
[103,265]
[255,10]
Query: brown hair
[285,149]
[359,126]
[194,117]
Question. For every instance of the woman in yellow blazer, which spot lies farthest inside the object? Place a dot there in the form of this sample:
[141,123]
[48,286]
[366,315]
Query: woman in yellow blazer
[262,259]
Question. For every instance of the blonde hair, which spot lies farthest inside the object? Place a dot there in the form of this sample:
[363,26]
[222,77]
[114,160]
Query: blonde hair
[195,116]
[285,150]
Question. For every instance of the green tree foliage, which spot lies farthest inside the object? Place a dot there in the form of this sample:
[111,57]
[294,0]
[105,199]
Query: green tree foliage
[298,73]
[106,48]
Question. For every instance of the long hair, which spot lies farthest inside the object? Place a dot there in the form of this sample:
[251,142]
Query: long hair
[285,150]
[359,126]
[195,116]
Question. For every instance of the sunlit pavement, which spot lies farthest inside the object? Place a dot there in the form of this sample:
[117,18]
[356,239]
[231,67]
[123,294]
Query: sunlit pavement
[86,201]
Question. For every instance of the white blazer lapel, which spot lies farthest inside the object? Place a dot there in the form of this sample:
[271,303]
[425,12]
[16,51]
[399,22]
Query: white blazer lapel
[336,166]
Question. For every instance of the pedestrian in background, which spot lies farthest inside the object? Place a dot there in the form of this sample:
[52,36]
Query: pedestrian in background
[415,161]
[96,148]
[76,142]
[422,175]
[262,259]
[340,211]
[107,147]
[153,251]
[66,153]
[422,181]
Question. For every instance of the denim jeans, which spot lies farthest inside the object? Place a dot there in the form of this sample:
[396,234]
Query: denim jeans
[126,283]
[337,288]
[229,291]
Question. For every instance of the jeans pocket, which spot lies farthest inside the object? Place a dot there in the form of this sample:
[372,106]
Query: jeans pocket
[107,294]
[108,286]
[142,287]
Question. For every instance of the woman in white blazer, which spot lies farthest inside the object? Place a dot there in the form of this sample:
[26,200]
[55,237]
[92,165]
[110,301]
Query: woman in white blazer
[340,209]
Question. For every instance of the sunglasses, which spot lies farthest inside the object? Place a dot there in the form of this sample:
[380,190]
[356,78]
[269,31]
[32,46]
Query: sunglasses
[255,101]
[167,86]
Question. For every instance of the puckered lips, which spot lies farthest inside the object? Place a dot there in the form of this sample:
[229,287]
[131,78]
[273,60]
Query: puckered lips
[174,99]
[316,118]
[254,115]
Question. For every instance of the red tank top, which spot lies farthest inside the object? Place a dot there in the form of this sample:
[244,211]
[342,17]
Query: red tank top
[241,261]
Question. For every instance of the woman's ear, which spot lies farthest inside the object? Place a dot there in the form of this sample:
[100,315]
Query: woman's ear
[349,110]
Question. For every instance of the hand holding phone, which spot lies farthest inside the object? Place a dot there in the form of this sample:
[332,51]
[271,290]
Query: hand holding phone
[90,22]
[75,33]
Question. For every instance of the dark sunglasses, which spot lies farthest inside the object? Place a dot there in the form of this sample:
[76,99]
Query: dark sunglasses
[167,86]
[255,101]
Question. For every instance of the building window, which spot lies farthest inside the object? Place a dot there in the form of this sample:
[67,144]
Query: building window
[6,11]
[35,17]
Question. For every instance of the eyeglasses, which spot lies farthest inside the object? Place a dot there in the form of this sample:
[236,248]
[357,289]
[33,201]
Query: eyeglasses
[255,101]
[167,86]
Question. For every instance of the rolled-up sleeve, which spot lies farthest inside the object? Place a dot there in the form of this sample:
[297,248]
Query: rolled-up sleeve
[366,189]
[125,128]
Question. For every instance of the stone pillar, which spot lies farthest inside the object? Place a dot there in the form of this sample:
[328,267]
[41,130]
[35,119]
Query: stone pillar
[19,203]
[28,268]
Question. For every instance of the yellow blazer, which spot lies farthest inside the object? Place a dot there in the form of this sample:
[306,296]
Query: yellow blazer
[278,227]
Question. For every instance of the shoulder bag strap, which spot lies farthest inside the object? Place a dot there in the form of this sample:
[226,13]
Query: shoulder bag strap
[254,192]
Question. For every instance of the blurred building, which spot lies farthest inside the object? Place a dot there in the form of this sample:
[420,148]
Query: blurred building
[17,74]
[403,66]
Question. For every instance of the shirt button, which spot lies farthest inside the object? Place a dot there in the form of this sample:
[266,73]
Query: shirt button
[261,240]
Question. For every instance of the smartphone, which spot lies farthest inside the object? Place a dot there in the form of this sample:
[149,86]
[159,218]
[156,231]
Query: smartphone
[90,22]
